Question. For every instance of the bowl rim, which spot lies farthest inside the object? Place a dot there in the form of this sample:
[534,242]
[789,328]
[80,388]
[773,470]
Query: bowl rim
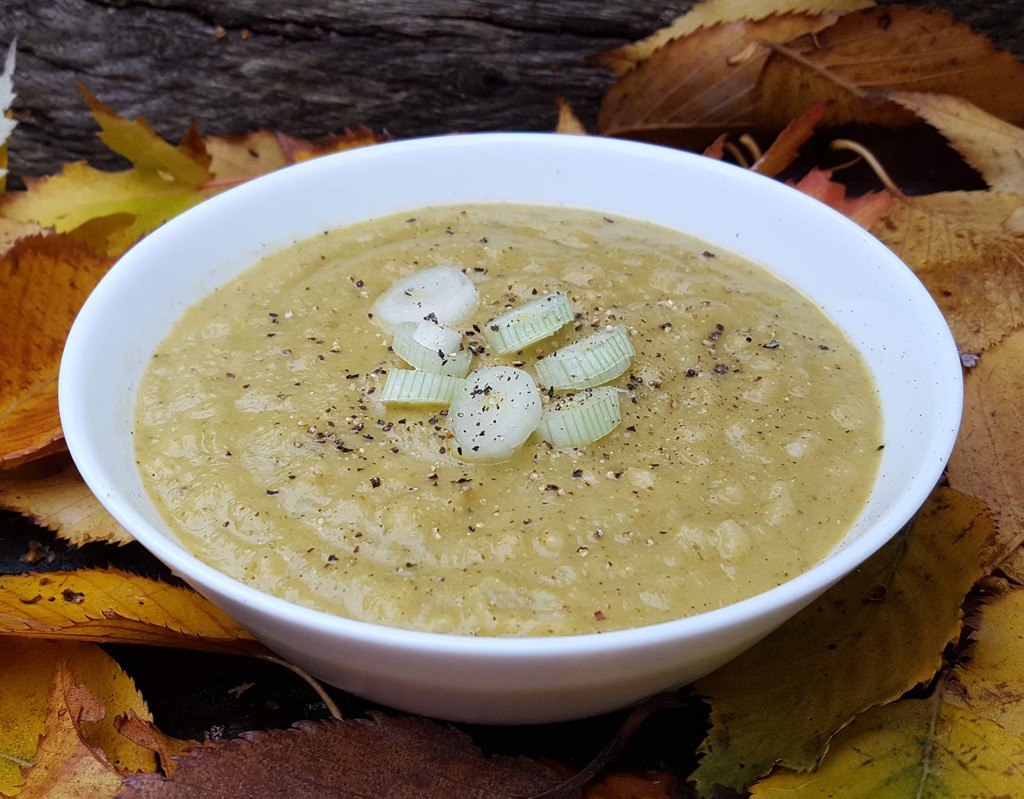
[808,583]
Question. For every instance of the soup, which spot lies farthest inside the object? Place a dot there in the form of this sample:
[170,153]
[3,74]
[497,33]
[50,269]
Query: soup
[749,435]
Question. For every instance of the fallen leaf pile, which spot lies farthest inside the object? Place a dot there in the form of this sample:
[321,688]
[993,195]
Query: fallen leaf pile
[905,679]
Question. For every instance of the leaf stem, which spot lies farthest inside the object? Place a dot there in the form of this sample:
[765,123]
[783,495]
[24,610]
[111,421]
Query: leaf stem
[315,684]
[869,158]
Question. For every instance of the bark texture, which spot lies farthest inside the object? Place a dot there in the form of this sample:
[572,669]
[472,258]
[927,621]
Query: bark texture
[309,68]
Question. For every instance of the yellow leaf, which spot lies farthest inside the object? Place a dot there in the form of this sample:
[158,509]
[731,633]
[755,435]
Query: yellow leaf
[988,460]
[28,670]
[62,502]
[568,122]
[781,701]
[991,684]
[44,281]
[165,181]
[110,606]
[713,12]
[993,147]
[957,244]
[65,764]
[913,748]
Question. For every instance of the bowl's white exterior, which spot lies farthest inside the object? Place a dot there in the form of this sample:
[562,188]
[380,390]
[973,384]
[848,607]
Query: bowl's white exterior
[859,283]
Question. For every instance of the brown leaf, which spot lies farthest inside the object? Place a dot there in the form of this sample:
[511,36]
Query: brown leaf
[386,757]
[755,75]
[867,53]
[993,147]
[44,281]
[864,210]
[988,460]
[302,150]
[65,766]
[63,503]
[568,122]
[144,733]
[712,12]
[110,606]
[698,86]
[623,785]
[958,245]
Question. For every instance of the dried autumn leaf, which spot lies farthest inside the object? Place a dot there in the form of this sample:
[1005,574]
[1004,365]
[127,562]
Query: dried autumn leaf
[695,87]
[786,147]
[385,757]
[988,461]
[165,181]
[110,606]
[63,503]
[25,678]
[958,245]
[712,12]
[991,684]
[44,280]
[743,76]
[782,700]
[853,63]
[144,733]
[302,150]
[993,147]
[568,122]
[65,764]
[915,747]
[622,785]
[864,210]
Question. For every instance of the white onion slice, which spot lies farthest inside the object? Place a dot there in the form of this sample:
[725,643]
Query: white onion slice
[529,323]
[431,348]
[582,418]
[443,293]
[494,412]
[413,387]
[591,361]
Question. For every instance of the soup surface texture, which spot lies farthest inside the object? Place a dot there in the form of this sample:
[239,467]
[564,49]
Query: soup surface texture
[749,436]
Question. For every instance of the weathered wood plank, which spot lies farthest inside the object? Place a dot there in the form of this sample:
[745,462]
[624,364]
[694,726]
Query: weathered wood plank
[413,67]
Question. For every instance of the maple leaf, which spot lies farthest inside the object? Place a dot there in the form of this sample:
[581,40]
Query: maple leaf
[111,606]
[165,181]
[385,757]
[781,701]
[62,502]
[45,280]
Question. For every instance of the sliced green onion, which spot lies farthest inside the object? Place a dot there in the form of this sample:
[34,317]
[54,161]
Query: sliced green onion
[413,387]
[591,361]
[582,418]
[536,320]
[494,412]
[431,348]
[442,293]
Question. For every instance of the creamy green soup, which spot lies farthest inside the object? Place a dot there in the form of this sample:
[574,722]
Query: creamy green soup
[749,438]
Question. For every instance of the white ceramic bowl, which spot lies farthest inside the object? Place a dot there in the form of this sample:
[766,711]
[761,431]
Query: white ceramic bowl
[855,279]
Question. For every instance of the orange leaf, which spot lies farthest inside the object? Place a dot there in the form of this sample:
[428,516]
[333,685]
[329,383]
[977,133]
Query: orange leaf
[44,281]
[146,734]
[864,210]
[110,606]
[568,122]
[786,146]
